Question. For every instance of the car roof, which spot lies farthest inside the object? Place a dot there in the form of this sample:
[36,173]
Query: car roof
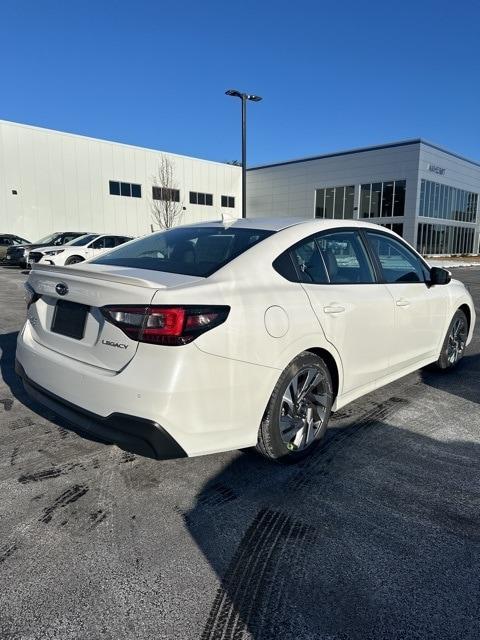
[271,224]
[279,224]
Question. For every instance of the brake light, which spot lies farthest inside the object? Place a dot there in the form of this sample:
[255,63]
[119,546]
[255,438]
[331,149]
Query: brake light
[172,326]
[31,296]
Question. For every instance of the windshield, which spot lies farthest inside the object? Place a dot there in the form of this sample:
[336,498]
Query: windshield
[193,251]
[83,240]
[48,239]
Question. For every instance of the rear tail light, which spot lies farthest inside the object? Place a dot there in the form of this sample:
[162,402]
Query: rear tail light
[31,296]
[171,326]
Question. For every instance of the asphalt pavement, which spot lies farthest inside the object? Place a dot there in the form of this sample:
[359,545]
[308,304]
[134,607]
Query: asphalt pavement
[377,536]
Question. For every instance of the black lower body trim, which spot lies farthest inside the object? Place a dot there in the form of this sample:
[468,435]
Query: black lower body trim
[142,436]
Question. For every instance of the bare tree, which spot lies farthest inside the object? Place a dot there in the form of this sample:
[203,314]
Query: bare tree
[166,206]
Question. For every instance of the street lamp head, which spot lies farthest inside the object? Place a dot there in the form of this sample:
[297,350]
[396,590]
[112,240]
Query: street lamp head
[233,92]
[254,98]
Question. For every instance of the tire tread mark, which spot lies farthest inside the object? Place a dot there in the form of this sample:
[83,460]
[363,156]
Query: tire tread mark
[217,494]
[69,496]
[372,417]
[240,573]
[221,599]
[246,588]
[7,550]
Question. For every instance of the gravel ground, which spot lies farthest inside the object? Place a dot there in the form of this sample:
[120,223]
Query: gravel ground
[377,536]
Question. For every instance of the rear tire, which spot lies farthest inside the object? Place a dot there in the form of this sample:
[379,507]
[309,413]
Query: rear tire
[297,414]
[454,344]
[74,260]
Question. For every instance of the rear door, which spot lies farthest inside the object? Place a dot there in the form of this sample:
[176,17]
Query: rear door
[420,310]
[354,310]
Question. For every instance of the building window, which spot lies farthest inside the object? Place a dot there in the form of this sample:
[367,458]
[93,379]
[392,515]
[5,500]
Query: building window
[163,193]
[437,239]
[441,201]
[393,226]
[125,189]
[201,198]
[335,202]
[382,199]
[228,201]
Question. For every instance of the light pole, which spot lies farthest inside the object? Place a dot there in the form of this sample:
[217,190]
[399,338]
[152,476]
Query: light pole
[244,97]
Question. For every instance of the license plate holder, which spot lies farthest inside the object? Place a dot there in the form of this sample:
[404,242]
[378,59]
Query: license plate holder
[69,319]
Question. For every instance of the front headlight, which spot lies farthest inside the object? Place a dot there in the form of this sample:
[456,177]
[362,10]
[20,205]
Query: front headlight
[54,253]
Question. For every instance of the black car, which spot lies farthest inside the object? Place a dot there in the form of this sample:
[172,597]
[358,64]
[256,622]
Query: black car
[9,240]
[18,254]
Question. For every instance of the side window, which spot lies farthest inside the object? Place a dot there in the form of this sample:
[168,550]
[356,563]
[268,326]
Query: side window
[110,242]
[67,238]
[398,263]
[345,258]
[309,263]
[98,244]
[285,267]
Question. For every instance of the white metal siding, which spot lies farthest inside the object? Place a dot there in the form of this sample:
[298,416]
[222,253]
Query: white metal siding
[62,182]
[289,189]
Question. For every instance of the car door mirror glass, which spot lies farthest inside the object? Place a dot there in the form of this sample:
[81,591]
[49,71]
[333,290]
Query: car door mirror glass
[438,275]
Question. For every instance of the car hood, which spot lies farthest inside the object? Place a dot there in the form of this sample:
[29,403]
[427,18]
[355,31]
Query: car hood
[30,246]
[57,247]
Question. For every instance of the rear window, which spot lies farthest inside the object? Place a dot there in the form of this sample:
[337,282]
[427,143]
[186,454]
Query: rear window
[192,251]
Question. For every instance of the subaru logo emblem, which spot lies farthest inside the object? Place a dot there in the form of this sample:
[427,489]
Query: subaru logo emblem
[61,289]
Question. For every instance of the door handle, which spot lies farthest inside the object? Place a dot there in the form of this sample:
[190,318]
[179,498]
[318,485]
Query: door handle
[403,303]
[334,309]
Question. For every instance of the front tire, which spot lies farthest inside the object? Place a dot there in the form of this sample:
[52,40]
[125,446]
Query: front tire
[455,342]
[297,414]
[74,260]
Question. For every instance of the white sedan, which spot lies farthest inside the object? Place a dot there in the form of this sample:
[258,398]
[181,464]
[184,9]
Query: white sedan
[78,250]
[215,336]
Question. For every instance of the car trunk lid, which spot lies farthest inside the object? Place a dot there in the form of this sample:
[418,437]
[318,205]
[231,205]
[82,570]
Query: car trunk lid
[67,317]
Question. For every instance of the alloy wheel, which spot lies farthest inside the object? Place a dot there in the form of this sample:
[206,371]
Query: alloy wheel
[456,341]
[303,408]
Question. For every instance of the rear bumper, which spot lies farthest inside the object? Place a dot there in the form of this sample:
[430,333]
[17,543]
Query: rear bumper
[205,403]
[143,436]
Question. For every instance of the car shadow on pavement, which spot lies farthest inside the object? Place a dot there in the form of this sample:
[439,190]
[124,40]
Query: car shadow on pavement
[376,536]
[463,381]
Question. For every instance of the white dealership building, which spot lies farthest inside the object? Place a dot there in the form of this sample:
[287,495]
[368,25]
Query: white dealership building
[425,193]
[53,181]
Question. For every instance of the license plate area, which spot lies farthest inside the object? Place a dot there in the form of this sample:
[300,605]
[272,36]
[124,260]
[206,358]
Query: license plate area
[69,319]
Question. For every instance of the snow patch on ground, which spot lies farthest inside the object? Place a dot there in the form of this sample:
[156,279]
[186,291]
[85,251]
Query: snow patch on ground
[453,263]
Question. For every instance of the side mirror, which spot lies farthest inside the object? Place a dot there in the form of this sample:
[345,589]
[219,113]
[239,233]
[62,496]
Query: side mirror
[439,276]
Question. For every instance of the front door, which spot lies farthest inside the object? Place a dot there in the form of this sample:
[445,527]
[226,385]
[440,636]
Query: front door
[420,310]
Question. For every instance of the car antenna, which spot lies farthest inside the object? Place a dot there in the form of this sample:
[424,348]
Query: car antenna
[228,219]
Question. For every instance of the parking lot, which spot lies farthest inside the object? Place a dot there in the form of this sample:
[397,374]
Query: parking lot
[376,536]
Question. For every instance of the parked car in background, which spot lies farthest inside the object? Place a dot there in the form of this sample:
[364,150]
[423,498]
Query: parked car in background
[19,254]
[78,250]
[216,336]
[9,240]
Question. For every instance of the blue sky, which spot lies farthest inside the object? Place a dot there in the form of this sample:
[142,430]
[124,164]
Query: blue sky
[333,74]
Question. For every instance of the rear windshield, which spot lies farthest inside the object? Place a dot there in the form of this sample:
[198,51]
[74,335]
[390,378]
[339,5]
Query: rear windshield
[192,251]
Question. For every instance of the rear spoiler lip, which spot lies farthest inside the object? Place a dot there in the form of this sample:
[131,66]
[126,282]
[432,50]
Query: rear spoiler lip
[96,275]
